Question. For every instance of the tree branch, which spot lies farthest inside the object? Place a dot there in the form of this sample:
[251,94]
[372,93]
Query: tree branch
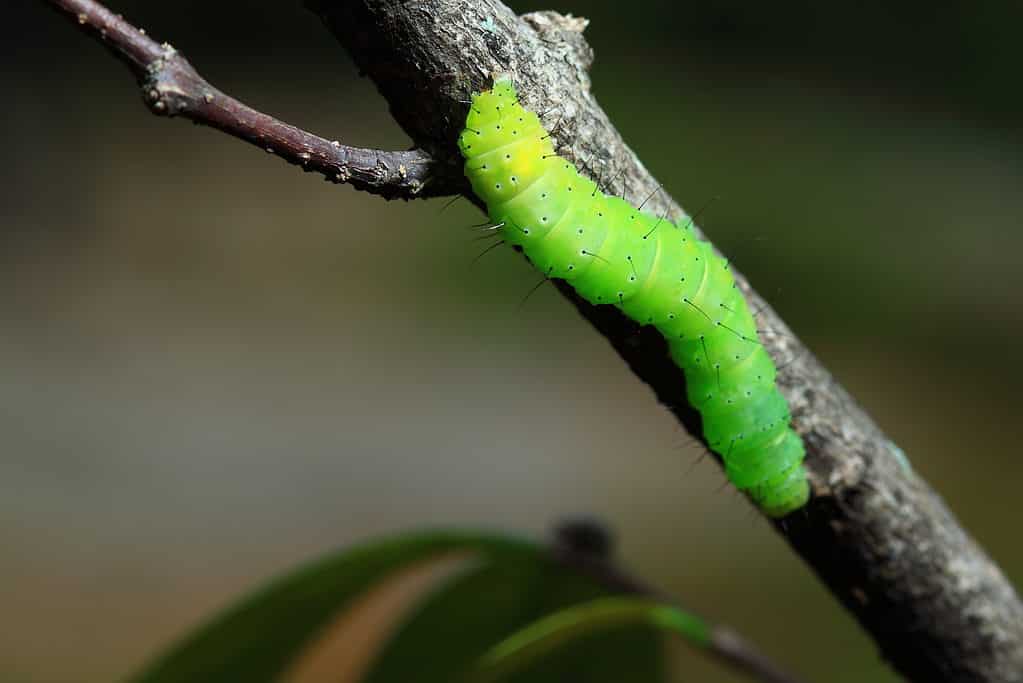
[875,533]
[172,87]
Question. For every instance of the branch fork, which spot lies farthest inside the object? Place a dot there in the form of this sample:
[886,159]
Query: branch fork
[171,86]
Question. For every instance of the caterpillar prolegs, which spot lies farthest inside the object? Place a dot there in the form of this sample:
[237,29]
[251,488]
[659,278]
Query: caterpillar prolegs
[657,273]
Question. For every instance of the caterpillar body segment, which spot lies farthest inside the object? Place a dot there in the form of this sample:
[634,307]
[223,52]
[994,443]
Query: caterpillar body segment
[657,273]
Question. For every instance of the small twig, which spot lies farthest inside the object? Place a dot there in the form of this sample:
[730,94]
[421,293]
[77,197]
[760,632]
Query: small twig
[586,546]
[172,87]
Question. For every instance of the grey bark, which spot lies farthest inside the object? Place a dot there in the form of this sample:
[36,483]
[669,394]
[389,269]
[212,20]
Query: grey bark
[876,534]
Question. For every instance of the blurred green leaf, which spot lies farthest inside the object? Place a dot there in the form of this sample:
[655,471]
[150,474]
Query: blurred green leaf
[470,614]
[536,642]
[257,639]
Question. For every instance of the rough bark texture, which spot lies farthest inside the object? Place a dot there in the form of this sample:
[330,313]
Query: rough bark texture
[876,534]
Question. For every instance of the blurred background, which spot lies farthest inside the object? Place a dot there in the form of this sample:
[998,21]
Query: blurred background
[215,367]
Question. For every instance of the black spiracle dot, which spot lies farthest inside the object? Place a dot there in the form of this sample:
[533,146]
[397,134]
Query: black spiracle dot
[507,156]
[515,132]
[525,231]
[543,219]
[543,195]
[497,186]
[571,266]
[580,231]
[671,316]
[514,179]
[632,278]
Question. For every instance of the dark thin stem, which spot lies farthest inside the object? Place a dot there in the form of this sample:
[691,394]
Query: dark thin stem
[172,87]
[586,546]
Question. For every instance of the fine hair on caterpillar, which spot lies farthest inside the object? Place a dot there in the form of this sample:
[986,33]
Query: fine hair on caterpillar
[657,272]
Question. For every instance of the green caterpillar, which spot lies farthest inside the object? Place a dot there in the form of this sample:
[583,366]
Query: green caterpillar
[657,273]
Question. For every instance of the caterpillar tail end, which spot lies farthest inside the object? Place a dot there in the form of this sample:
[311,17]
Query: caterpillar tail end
[782,500]
[784,508]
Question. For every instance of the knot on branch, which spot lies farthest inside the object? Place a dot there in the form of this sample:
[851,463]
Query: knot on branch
[169,84]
